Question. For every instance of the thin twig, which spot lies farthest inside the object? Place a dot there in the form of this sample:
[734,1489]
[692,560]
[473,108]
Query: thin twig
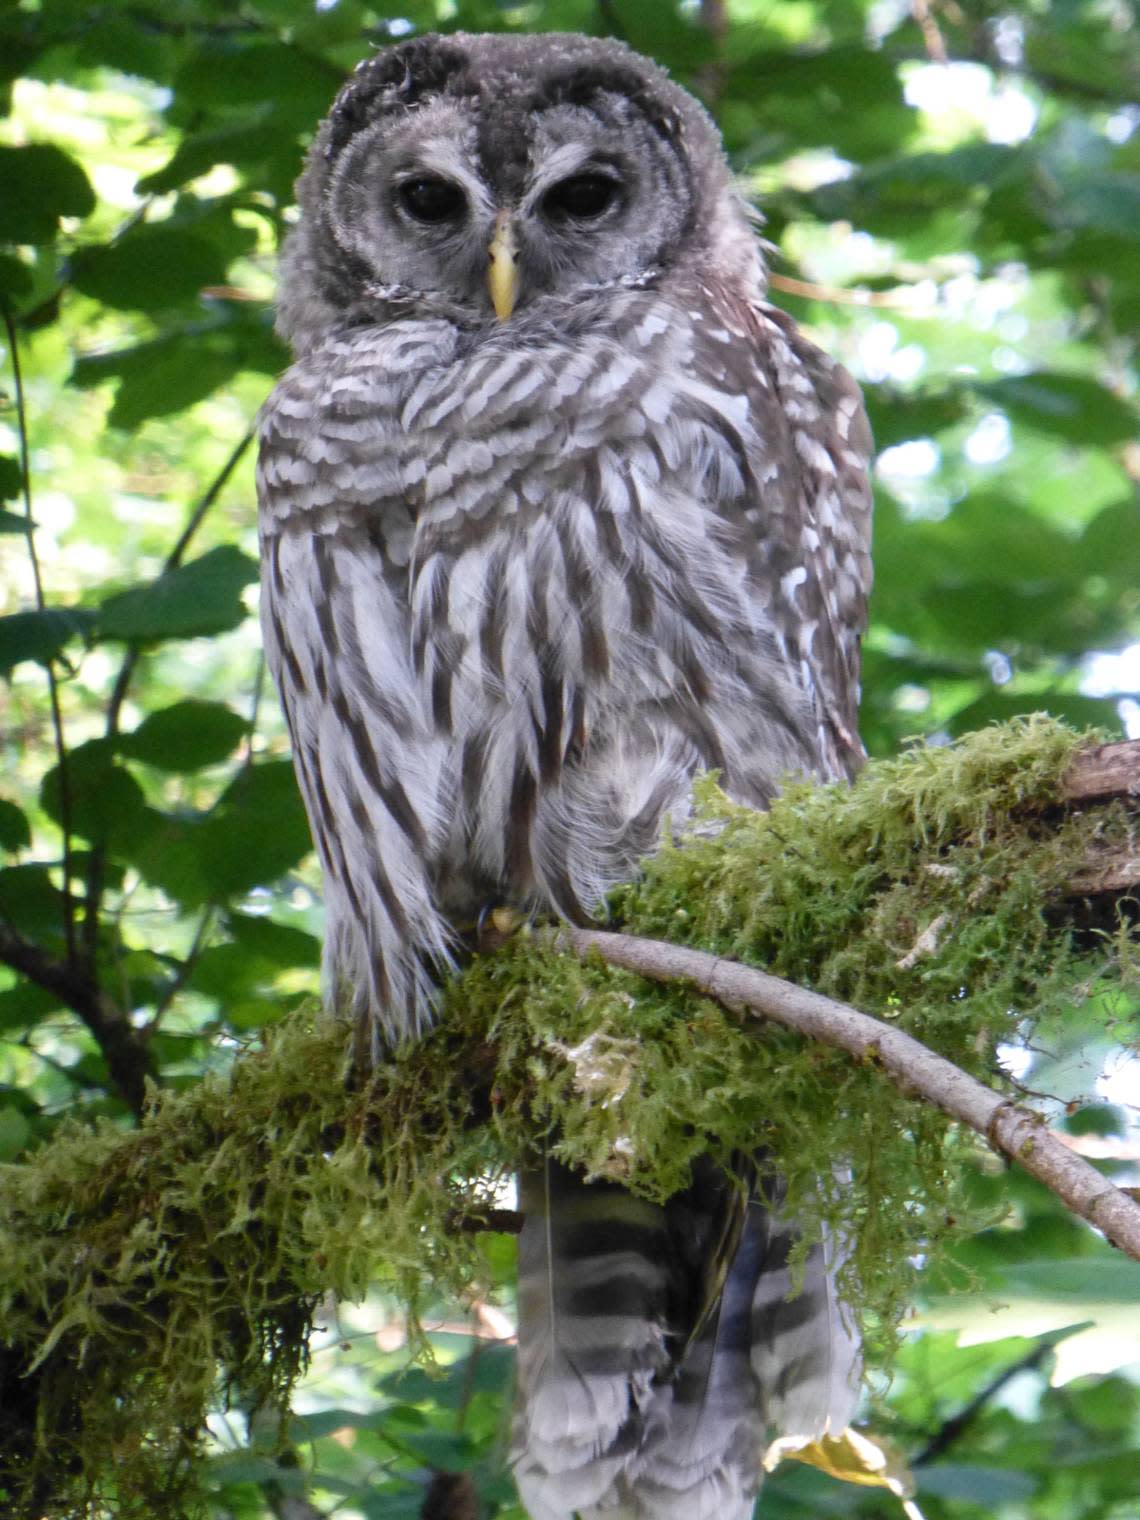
[957,1424]
[841,295]
[1016,1132]
[182,975]
[61,757]
[932,38]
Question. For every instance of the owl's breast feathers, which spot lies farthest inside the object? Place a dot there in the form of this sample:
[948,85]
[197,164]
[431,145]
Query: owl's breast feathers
[520,587]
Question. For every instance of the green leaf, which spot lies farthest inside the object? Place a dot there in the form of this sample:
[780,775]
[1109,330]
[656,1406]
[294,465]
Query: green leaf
[15,1132]
[1103,1279]
[203,597]
[103,799]
[150,268]
[24,1005]
[1072,407]
[1110,544]
[40,636]
[128,45]
[38,185]
[847,97]
[324,1422]
[14,831]
[186,737]
[16,280]
[11,481]
[1098,1119]
[181,367]
[279,944]
[257,831]
[239,982]
[1106,202]
[895,418]
[30,901]
[254,834]
[979,1485]
[13,522]
[248,146]
[224,73]
[888,197]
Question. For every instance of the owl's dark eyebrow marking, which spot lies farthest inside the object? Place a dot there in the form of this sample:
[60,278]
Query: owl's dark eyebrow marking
[582,84]
[394,80]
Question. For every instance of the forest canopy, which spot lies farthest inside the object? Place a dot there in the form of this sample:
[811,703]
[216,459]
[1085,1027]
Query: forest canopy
[951,201]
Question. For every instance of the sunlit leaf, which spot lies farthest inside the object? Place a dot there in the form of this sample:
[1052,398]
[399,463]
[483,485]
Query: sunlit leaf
[151,268]
[99,798]
[187,736]
[40,636]
[166,374]
[202,597]
[39,184]
[1071,406]
[14,830]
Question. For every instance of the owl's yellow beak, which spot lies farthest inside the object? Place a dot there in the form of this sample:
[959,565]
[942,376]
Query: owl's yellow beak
[503,273]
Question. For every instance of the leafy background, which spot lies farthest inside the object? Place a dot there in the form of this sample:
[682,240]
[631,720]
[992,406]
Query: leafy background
[952,194]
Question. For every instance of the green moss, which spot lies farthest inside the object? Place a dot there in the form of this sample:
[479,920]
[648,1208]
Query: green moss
[141,1268]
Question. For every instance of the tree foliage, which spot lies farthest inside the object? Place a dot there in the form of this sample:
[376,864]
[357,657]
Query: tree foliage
[952,195]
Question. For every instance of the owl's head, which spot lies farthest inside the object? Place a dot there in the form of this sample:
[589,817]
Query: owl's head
[492,178]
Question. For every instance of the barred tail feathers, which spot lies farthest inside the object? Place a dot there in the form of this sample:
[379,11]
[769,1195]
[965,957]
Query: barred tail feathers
[805,1350]
[592,1311]
[639,1401]
[701,1457]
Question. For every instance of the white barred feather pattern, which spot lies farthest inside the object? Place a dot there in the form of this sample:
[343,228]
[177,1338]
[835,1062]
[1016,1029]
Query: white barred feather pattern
[523,580]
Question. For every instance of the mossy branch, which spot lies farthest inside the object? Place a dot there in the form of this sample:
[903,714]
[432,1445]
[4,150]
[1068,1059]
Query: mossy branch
[144,1271]
[1013,1130]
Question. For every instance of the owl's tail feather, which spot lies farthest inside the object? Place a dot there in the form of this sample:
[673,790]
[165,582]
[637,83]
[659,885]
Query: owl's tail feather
[805,1350]
[592,1315]
[700,1458]
[636,1400]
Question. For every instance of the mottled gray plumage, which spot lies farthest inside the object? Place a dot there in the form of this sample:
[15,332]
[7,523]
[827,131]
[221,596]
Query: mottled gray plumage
[523,579]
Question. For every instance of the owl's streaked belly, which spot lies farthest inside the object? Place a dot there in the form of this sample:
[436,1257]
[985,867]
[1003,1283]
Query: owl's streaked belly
[508,634]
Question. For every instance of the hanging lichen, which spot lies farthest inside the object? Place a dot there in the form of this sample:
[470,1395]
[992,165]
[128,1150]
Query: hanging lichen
[140,1270]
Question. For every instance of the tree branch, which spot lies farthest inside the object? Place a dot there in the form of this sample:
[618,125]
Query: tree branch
[1103,771]
[1014,1131]
[120,1044]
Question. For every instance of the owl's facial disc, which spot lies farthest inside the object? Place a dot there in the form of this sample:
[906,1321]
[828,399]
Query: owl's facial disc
[476,203]
[472,178]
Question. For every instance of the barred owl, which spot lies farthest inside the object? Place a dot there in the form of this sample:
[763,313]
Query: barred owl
[558,512]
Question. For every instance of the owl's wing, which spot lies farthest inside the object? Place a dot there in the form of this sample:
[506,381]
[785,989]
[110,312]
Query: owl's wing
[805,514]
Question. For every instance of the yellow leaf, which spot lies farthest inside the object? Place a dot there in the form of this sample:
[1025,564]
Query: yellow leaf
[852,1457]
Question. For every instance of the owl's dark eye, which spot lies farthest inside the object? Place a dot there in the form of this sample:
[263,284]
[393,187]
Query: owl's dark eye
[429,199]
[581,197]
